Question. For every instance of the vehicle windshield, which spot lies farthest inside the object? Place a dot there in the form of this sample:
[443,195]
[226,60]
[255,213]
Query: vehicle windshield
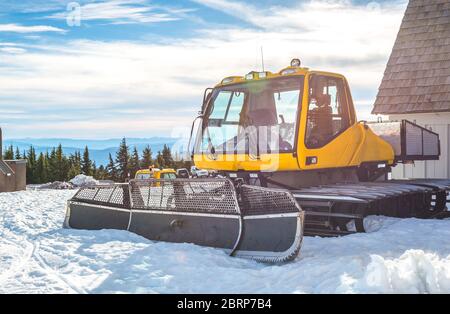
[143,176]
[254,117]
[168,176]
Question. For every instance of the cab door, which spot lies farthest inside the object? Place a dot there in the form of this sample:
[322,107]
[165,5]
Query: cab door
[330,134]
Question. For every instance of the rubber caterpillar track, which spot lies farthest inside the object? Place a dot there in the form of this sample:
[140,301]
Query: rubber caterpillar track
[330,208]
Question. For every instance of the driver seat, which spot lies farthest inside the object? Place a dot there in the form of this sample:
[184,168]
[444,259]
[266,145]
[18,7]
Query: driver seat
[322,116]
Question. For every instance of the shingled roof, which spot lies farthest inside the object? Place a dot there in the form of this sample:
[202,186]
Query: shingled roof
[417,76]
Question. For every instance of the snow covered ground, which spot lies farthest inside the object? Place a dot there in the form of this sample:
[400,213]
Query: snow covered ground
[38,256]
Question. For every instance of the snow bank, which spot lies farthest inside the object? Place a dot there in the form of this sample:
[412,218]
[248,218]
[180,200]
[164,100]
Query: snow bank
[57,185]
[78,182]
[414,272]
[37,255]
[82,180]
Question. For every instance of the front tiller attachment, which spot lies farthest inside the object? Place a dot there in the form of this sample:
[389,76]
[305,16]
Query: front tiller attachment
[251,222]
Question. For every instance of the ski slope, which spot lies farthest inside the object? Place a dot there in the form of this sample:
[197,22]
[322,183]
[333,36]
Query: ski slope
[38,256]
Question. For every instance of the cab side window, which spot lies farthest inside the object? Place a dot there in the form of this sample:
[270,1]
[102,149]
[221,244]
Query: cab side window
[327,111]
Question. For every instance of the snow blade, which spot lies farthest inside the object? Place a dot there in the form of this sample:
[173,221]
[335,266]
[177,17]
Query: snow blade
[257,223]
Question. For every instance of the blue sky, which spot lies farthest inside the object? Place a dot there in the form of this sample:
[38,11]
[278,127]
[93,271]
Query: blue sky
[138,68]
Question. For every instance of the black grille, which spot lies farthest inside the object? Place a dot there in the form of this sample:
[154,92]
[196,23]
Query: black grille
[214,196]
[257,201]
[200,195]
[117,195]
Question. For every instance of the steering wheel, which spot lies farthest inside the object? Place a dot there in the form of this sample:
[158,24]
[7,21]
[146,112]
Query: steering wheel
[285,145]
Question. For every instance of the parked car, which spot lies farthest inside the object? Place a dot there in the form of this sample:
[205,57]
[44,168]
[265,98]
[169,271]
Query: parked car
[199,173]
[183,173]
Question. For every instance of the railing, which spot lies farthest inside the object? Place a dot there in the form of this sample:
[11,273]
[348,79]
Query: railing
[200,195]
[213,196]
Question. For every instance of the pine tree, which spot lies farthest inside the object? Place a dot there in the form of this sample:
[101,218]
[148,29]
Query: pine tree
[73,171]
[86,163]
[134,162]
[183,164]
[111,169]
[147,159]
[41,172]
[123,161]
[78,160]
[167,157]
[58,165]
[31,164]
[101,173]
[63,164]
[159,161]
[18,156]
[52,165]
[94,170]
[9,153]
[50,169]
[75,165]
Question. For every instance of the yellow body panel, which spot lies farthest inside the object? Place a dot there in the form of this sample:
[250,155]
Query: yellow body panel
[357,145]
[230,162]
[353,147]
[269,75]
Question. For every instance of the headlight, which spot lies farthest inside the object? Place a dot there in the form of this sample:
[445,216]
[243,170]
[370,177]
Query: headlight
[228,80]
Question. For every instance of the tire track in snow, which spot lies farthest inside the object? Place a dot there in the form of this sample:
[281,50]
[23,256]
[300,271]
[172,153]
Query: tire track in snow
[30,246]
[32,253]
[16,267]
[53,273]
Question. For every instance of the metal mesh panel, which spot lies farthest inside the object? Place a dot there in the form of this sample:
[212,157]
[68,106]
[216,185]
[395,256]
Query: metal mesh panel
[103,194]
[430,144]
[201,195]
[409,140]
[413,139]
[257,201]
[217,196]
[111,195]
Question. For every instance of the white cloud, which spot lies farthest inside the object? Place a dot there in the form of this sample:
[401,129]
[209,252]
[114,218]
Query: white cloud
[16,28]
[12,50]
[32,6]
[140,89]
[123,12]
[237,9]
[306,15]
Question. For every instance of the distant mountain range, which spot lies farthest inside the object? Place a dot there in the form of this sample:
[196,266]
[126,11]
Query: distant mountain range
[99,149]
